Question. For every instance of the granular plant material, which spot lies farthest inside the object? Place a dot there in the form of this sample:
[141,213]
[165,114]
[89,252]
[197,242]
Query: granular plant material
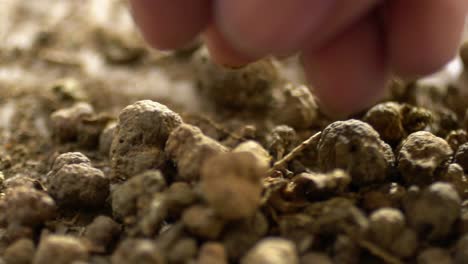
[113,153]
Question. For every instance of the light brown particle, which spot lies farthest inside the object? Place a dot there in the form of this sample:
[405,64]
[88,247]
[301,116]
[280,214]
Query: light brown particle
[78,185]
[420,155]
[385,225]
[272,251]
[20,252]
[202,222]
[101,232]
[212,253]
[58,249]
[26,206]
[435,256]
[231,184]
[188,147]
[142,251]
[65,121]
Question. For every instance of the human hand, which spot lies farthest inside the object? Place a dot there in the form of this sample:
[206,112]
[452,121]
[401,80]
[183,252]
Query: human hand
[348,47]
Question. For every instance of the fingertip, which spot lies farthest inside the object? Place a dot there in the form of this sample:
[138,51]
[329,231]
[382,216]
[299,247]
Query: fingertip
[342,99]
[171,24]
[418,66]
[222,52]
[265,27]
[350,72]
[423,35]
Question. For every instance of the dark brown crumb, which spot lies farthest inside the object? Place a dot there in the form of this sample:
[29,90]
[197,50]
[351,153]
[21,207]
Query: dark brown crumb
[74,182]
[357,148]
[102,232]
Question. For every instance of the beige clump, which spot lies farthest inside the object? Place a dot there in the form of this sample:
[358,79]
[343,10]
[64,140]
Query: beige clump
[421,153]
[296,106]
[259,152]
[231,183]
[188,147]
[272,251]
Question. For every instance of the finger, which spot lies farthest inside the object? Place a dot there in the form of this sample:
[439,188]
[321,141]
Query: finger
[222,52]
[261,27]
[349,73]
[423,35]
[342,16]
[171,24]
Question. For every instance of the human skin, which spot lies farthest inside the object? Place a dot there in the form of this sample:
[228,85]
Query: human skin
[348,48]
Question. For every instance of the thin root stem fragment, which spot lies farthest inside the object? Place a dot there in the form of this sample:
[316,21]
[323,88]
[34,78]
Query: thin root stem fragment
[379,252]
[295,152]
[372,248]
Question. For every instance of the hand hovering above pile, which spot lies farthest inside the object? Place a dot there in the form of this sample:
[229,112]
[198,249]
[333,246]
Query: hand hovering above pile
[348,47]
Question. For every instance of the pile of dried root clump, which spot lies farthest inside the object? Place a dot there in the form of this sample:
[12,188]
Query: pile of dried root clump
[285,186]
[260,175]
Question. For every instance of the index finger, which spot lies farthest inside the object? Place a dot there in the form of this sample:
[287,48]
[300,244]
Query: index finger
[171,24]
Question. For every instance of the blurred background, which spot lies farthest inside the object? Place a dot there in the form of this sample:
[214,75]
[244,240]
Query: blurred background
[93,41]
